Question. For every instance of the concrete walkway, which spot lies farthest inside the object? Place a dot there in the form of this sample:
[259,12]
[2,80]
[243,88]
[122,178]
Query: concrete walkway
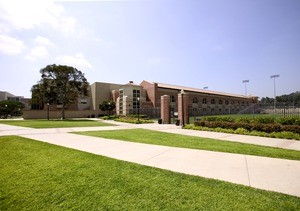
[278,175]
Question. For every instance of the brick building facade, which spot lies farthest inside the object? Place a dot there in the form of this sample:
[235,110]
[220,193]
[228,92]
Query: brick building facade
[147,95]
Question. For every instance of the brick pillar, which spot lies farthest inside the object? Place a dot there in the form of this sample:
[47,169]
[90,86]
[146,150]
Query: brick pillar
[165,109]
[183,110]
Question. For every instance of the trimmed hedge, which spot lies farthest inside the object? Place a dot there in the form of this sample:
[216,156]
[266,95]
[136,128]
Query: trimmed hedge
[133,120]
[256,120]
[260,127]
[242,131]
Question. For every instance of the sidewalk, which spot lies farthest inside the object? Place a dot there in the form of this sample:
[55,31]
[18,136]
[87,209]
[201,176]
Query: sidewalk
[259,172]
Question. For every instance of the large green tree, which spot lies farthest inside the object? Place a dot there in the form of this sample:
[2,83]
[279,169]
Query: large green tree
[61,85]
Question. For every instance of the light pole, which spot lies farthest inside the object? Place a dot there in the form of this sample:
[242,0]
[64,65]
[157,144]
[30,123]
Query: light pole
[138,107]
[108,109]
[6,112]
[274,76]
[48,111]
[245,82]
[182,108]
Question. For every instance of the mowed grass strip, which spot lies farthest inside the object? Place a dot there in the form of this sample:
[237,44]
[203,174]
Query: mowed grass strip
[39,176]
[192,142]
[42,123]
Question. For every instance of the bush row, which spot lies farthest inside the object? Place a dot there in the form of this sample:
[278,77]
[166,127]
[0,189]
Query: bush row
[255,120]
[242,131]
[133,120]
[260,127]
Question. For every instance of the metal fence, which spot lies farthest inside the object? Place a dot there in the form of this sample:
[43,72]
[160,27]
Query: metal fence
[254,109]
[152,113]
[280,110]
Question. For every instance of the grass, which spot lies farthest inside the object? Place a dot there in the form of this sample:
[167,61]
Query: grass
[192,142]
[40,176]
[55,123]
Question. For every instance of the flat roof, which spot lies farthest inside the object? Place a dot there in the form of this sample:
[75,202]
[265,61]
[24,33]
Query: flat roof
[204,91]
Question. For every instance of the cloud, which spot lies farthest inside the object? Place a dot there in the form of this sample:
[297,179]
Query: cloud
[153,61]
[43,41]
[77,61]
[10,45]
[20,15]
[217,48]
[38,52]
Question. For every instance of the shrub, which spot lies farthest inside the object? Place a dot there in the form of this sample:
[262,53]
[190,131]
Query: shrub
[242,131]
[260,127]
[243,120]
[288,121]
[264,120]
[133,120]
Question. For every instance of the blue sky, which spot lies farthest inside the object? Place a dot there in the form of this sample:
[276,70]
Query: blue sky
[195,43]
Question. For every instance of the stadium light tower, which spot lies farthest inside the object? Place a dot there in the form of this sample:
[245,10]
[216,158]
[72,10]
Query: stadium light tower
[245,82]
[274,76]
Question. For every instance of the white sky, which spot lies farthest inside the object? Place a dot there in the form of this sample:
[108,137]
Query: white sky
[194,43]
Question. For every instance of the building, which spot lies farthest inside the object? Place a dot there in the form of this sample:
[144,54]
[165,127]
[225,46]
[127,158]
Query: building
[147,98]
[8,96]
[147,95]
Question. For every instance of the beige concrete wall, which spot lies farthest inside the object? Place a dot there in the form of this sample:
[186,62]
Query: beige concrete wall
[42,114]
[102,91]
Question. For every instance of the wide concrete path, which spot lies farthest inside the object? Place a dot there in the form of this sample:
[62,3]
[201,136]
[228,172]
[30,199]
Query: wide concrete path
[278,175]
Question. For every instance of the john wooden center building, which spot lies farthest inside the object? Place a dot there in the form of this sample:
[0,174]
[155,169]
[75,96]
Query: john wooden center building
[153,99]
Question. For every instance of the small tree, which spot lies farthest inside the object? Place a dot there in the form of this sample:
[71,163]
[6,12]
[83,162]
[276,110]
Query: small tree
[10,107]
[107,106]
[61,85]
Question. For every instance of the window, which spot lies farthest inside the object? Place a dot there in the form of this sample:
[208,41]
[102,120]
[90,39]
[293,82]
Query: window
[83,101]
[220,102]
[195,100]
[195,109]
[172,99]
[136,97]
[212,101]
[204,101]
[121,101]
[226,102]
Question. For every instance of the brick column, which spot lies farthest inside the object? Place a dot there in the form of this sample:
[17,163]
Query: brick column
[165,109]
[183,110]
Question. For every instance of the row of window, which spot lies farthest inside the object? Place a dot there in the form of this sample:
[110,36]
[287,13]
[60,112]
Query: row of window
[213,110]
[212,101]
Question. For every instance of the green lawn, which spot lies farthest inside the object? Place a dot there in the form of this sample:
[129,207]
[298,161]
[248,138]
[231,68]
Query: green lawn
[192,142]
[55,123]
[40,176]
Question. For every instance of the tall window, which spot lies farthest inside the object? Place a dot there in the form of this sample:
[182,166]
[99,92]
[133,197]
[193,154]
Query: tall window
[220,102]
[172,99]
[136,96]
[121,101]
[195,100]
[204,101]
[212,101]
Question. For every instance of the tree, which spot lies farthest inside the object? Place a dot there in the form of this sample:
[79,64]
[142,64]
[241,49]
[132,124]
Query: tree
[10,107]
[37,100]
[60,85]
[107,106]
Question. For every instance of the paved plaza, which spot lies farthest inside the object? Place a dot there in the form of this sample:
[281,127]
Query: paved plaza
[279,175]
